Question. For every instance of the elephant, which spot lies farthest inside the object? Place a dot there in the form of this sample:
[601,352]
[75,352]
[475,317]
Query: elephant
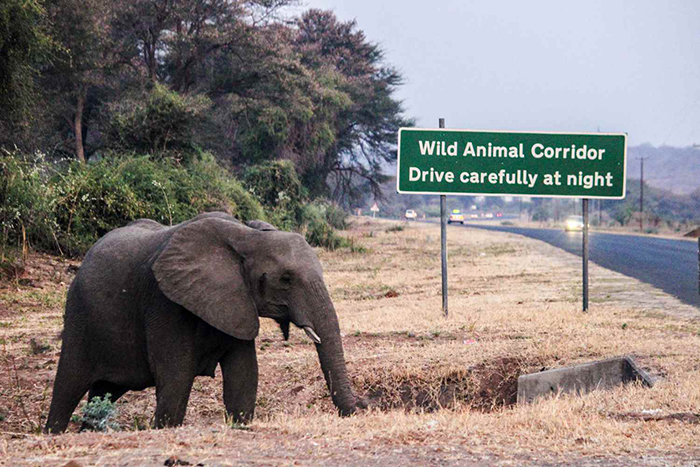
[157,306]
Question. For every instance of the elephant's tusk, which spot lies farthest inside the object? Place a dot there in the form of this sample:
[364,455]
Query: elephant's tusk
[312,334]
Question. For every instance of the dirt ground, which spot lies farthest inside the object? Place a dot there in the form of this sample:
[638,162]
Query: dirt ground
[442,390]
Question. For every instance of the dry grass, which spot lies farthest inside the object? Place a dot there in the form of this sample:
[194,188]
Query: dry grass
[441,389]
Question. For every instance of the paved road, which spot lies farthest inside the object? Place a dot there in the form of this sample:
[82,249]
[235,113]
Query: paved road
[671,265]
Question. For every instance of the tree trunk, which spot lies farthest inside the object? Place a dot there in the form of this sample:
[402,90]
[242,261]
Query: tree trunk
[78,125]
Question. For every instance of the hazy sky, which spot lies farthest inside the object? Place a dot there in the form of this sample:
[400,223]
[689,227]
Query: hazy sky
[581,66]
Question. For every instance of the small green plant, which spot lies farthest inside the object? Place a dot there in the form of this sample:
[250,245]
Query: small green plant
[355,248]
[140,422]
[235,425]
[395,228]
[99,414]
[37,347]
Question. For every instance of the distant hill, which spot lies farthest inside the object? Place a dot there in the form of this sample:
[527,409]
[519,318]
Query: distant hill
[670,168]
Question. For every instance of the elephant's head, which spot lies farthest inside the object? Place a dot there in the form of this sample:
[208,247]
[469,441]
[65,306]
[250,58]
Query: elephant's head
[229,274]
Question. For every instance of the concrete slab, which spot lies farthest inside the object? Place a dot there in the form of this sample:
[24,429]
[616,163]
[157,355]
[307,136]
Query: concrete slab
[582,379]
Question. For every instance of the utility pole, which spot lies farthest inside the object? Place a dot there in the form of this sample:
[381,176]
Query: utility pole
[641,195]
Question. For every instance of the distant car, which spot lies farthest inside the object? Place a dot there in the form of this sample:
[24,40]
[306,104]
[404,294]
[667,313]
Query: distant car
[410,214]
[474,216]
[499,214]
[488,215]
[456,216]
[573,223]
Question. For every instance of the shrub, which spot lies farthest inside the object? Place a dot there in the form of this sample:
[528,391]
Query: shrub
[99,414]
[334,215]
[25,201]
[318,218]
[223,191]
[541,214]
[67,210]
[279,189]
[320,233]
[97,198]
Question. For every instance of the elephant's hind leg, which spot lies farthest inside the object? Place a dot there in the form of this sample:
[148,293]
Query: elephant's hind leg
[70,386]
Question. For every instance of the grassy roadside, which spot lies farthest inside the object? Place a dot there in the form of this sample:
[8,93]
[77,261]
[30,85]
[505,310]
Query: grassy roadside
[441,389]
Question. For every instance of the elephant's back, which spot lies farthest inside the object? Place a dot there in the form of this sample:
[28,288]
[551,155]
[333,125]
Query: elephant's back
[112,280]
[117,256]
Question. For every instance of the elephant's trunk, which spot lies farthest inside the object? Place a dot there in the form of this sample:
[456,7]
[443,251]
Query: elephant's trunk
[330,351]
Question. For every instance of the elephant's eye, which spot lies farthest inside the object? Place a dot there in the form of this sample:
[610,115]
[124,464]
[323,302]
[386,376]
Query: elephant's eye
[286,279]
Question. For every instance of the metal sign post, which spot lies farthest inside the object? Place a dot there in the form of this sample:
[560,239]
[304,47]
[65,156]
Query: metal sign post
[585,253]
[443,240]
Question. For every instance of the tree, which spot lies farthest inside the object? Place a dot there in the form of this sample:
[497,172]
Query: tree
[158,122]
[24,46]
[365,131]
[81,77]
[274,107]
[174,39]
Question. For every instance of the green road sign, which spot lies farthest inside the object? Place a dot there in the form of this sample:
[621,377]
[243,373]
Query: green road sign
[554,165]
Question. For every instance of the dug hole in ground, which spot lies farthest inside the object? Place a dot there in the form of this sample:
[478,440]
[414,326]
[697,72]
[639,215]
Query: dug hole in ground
[442,390]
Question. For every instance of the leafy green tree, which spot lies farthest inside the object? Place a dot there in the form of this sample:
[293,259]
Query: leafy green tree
[173,41]
[25,45]
[83,76]
[157,122]
[317,95]
[365,131]
[276,107]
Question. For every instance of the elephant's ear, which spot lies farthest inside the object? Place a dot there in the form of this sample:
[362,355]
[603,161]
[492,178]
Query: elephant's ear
[201,268]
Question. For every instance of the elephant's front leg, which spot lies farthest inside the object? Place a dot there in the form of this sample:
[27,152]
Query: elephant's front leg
[240,370]
[172,395]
